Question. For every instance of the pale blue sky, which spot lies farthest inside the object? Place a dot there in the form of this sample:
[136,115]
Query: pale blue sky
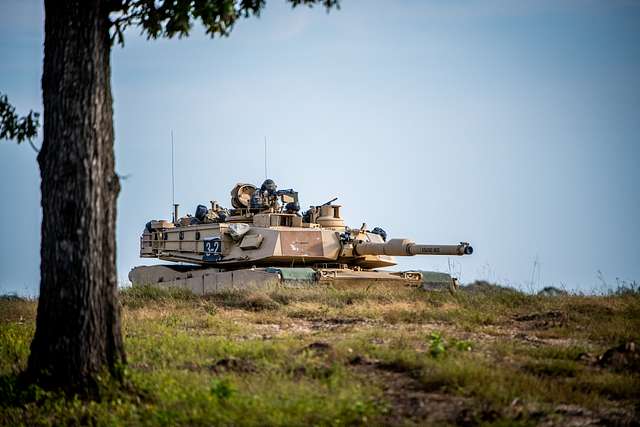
[511,124]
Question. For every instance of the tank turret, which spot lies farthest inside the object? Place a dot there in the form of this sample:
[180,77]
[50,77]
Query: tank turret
[264,230]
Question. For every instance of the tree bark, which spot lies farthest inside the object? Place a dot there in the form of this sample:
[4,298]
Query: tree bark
[78,333]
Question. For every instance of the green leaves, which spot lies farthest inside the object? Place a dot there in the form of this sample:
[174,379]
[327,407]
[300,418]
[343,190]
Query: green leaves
[16,128]
[222,389]
[438,346]
[329,4]
[170,18]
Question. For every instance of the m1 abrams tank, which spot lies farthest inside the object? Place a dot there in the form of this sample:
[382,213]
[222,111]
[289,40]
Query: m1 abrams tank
[263,240]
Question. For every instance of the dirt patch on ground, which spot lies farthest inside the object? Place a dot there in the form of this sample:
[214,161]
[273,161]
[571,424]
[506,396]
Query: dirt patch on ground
[333,323]
[408,400]
[233,364]
[318,347]
[577,416]
[545,320]
[625,357]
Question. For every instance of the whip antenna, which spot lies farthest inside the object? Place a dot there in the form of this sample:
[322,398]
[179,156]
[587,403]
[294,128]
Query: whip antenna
[265,158]
[173,183]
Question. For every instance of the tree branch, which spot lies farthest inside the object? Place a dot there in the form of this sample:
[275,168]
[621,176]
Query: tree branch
[14,127]
[36,149]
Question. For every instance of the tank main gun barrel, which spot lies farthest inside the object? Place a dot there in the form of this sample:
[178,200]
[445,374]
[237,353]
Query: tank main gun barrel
[404,247]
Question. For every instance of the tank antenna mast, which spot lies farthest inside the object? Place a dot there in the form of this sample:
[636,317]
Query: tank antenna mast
[173,193]
[265,157]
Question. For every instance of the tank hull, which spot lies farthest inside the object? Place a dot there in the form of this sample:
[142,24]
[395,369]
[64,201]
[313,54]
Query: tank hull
[203,280]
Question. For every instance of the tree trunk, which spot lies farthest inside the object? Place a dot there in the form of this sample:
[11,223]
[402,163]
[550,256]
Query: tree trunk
[77,333]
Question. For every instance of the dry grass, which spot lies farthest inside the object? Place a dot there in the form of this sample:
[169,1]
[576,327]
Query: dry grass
[383,355]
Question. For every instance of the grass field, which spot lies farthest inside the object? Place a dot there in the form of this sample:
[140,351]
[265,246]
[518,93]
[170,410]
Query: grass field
[377,356]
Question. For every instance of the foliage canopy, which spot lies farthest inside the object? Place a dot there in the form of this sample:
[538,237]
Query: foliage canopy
[170,18]
[15,127]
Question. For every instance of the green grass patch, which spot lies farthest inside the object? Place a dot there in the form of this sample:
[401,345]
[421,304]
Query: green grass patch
[361,356]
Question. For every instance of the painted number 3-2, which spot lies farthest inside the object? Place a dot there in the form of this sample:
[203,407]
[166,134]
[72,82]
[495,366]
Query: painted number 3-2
[212,249]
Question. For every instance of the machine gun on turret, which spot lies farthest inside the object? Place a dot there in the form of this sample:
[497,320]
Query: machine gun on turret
[315,212]
[329,202]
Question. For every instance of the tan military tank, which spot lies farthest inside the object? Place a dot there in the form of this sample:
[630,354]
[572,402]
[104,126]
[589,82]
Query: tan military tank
[263,241]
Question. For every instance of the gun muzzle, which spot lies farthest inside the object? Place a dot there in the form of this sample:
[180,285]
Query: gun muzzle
[404,247]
